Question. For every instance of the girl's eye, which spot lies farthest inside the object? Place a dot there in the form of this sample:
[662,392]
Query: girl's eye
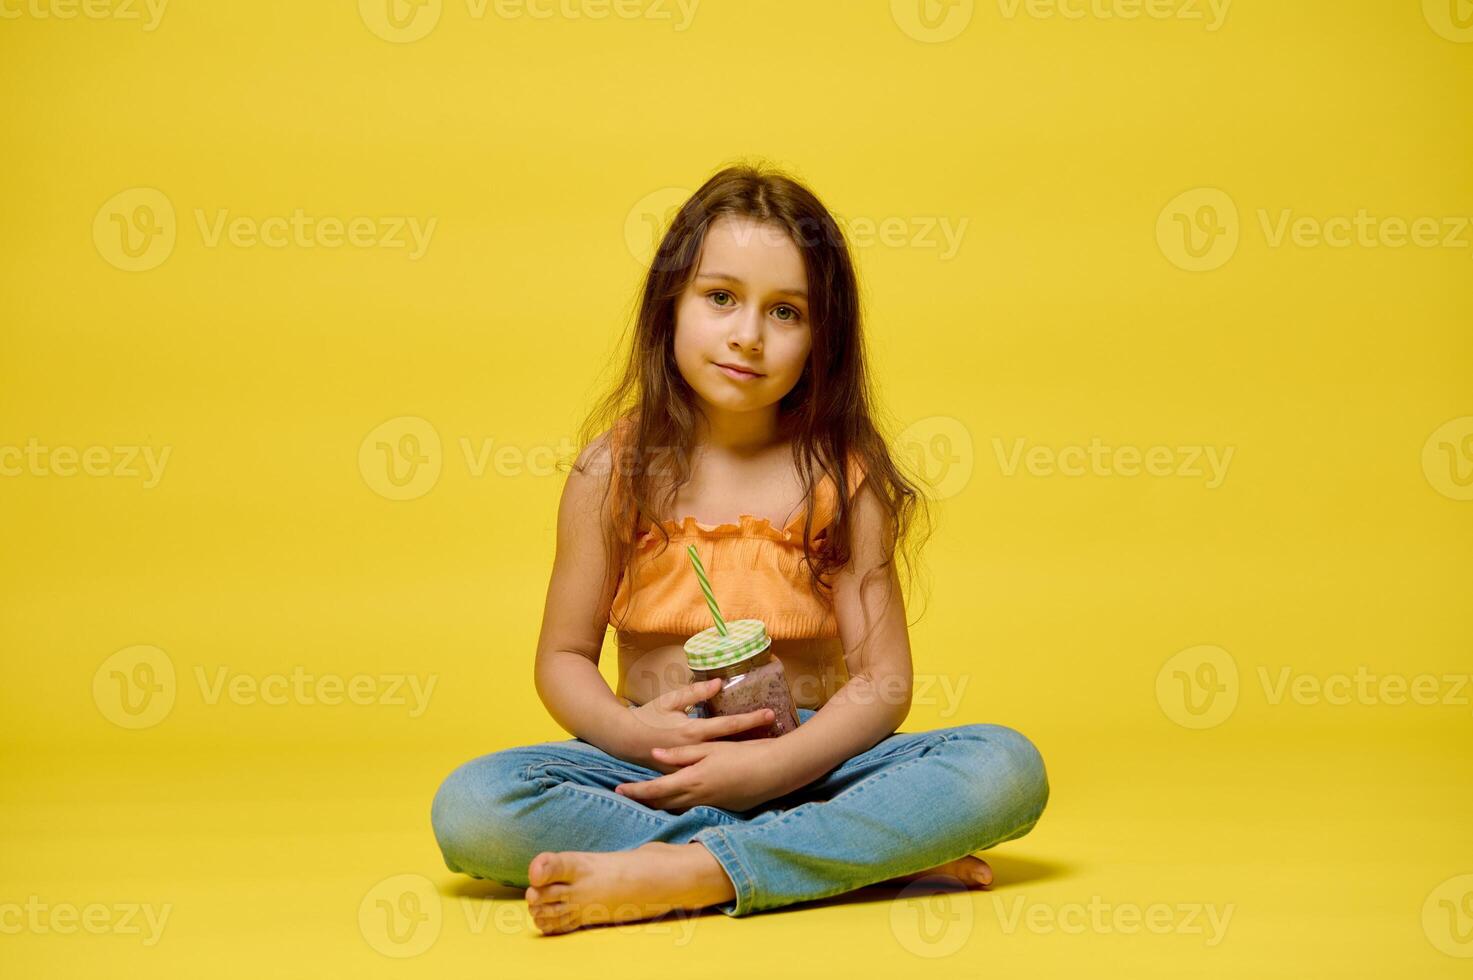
[796,313]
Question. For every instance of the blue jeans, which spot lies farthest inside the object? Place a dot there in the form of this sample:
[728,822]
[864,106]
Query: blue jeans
[911,802]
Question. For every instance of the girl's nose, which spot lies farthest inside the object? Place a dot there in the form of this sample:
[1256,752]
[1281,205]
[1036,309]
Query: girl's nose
[747,331]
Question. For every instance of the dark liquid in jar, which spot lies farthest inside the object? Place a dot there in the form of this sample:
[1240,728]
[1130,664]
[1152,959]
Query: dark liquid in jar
[752,685]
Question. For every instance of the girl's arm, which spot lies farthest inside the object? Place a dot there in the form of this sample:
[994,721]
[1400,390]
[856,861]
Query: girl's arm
[876,699]
[576,616]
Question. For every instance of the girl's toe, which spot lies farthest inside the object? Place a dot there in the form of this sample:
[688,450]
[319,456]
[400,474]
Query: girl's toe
[553,918]
[548,867]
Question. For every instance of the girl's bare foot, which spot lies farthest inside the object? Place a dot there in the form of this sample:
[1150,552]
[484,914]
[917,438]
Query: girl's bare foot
[570,889]
[973,872]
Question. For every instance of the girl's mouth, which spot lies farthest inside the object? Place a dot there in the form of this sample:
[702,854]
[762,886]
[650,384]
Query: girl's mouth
[736,375]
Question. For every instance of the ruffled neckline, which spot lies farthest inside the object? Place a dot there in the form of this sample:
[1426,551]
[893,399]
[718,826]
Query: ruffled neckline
[746,525]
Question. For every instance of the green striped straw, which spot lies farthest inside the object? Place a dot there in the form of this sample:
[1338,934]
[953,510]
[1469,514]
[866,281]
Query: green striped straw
[695,560]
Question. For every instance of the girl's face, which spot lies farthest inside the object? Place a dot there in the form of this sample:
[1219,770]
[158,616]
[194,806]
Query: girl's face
[746,306]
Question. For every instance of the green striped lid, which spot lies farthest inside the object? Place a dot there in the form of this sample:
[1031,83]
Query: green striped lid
[709,649]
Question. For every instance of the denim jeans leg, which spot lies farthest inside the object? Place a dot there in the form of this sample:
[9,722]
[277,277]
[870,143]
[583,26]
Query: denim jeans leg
[909,803]
[494,814]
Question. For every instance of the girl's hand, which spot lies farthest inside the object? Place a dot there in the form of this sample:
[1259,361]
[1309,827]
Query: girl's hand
[663,722]
[731,775]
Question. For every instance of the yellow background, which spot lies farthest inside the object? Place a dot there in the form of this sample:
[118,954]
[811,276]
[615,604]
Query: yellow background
[541,148]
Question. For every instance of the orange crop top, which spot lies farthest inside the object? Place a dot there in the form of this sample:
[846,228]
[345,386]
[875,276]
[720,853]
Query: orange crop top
[756,572]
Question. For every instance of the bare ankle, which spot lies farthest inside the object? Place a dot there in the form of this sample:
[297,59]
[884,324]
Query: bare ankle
[710,880]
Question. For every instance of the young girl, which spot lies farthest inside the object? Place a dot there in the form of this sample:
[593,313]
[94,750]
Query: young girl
[746,383]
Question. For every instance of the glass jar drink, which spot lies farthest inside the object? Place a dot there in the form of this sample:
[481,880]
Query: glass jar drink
[752,678]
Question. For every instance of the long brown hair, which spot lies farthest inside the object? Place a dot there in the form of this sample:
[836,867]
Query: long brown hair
[827,415]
